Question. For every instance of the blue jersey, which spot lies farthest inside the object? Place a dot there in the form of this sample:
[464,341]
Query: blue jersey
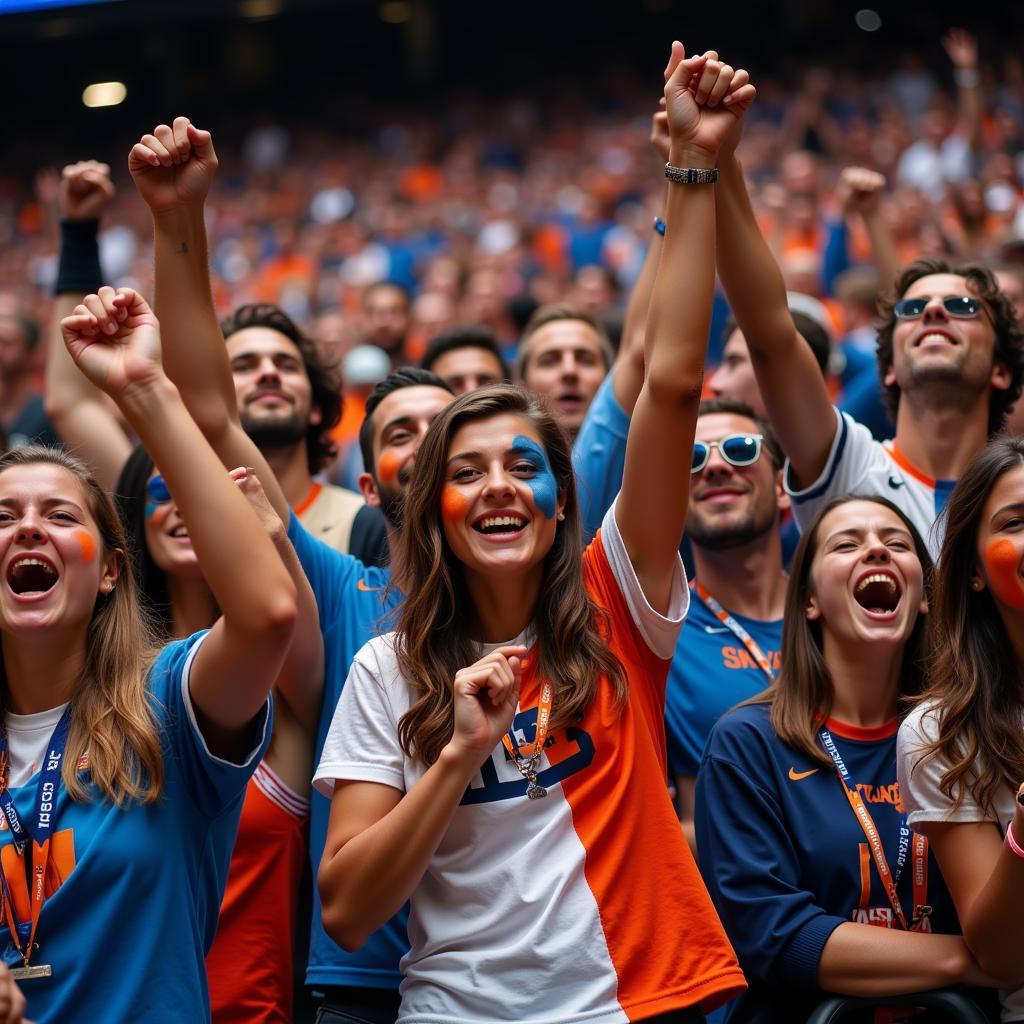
[711,672]
[786,860]
[355,605]
[135,891]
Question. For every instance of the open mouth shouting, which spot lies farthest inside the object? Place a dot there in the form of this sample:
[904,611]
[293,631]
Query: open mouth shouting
[31,576]
[879,593]
[501,525]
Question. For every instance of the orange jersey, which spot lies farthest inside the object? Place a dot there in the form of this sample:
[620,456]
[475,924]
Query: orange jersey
[249,968]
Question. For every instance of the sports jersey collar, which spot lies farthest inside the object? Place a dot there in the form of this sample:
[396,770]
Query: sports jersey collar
[908,467]
[862,733]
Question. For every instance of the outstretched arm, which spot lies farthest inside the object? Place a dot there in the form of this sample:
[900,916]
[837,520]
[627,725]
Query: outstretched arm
[114,339]
[860,193]
[173,169]
[962,49]
[704,99]
[78,410]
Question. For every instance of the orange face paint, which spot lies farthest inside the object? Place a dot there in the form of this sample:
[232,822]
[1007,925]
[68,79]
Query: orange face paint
[387,468]
[1002,560]
[88,546]
[453,504]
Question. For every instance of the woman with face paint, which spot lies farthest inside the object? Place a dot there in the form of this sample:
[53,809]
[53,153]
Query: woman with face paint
[962,750]
[800,828]
[123,763]
[500,758]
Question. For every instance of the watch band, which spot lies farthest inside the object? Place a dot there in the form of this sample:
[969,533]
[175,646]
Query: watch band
[691,175]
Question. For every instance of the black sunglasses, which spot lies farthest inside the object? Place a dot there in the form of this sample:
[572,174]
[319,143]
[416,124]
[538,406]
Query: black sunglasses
[737,449]
[963,307]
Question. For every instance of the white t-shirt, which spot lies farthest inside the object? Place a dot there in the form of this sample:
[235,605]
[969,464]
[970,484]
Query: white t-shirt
[919,786]
[28,737]
[584,906]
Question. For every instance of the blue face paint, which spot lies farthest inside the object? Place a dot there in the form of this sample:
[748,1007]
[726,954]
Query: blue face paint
[151,507]
[542,483]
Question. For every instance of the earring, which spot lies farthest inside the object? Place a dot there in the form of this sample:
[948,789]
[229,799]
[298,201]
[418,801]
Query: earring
[976,584]
[561,517]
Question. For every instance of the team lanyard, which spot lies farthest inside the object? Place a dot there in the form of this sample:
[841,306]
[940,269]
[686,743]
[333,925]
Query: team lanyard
[39,851]
[528,760]
[890,879]
[738,631]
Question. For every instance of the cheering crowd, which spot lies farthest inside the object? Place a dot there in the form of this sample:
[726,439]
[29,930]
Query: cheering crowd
[460,688]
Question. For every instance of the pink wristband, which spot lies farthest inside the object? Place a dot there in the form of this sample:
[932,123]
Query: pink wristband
[1013,842]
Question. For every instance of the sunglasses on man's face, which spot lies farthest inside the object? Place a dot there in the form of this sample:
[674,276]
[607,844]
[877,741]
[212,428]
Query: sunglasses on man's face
[156,491]
[736,449]
[963,307]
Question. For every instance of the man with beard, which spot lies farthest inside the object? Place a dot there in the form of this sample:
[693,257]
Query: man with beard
[950,357]
[729,648]
[288,401]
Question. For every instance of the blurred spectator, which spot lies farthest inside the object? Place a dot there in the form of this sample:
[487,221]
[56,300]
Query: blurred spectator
[466,358]
[386,312]
[22,415]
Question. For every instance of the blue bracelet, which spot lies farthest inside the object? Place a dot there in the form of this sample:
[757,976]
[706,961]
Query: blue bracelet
[659,226]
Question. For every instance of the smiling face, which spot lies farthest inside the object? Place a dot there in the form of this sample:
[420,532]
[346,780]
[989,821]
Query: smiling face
[500,503]
[167,539]
[51,552]
[940,348]
[866,580]
[271,386]
[1000,545]
[732,505]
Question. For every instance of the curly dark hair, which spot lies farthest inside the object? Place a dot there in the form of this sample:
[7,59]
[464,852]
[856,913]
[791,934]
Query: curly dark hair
[324,382]
[1009,347]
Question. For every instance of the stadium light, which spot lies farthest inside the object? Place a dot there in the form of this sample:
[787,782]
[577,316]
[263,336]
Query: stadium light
[257,10]
[104,94]
[868,20]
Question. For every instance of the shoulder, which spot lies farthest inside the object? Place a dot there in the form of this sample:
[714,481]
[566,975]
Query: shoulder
[171,663]
[919,729]
[742,731]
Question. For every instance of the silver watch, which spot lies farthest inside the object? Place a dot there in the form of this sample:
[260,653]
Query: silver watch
[691,175]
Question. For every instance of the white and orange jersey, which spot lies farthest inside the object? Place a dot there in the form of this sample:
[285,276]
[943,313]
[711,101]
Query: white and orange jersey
[585,906]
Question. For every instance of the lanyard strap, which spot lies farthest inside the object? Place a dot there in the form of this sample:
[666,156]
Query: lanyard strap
[41,830]
[890,879]
[737,631]
[511,744]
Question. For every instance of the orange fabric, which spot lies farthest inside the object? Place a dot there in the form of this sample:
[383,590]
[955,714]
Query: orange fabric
[249,967]
[62,863]
[666,942]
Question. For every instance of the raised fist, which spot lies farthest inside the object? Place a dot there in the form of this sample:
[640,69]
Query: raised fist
[860,191]
[174,166]
[961,47]
[114,339]
[85,190]
[705,100]
[486,697]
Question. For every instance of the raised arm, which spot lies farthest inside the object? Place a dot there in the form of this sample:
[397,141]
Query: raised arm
[704,100]
[962,49]
[860,194]
[79,411]
[790,382]
[114,339]
[173,168]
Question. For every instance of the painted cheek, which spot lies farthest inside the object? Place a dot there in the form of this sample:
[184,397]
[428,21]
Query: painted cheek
[453,505]
[88,546]
[151,507]
[543,486]
[1001,561]
[387,468]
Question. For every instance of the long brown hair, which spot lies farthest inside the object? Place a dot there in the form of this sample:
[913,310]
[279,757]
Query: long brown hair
[432,641]
[112,720]
[974,678]
[802,695]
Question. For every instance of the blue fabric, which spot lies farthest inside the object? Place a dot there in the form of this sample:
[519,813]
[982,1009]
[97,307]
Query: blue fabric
[599,456]
[780,855]
[128,930]
[862,393]
[836,256]
[355,606]
[711,673]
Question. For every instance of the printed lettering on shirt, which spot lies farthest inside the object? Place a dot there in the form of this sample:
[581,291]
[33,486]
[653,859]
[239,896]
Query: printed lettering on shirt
[739,658]
[889,794]
[883,917]
[566,752]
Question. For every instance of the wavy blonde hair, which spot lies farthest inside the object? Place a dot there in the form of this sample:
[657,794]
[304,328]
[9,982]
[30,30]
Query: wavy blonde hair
[112,718]
[432,638]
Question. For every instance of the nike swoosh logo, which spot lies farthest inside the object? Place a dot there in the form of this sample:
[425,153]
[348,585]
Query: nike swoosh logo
[715,629]
[895,483]
[797,776]
[361,585]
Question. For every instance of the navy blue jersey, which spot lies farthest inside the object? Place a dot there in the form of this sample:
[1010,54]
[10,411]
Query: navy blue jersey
[781,853]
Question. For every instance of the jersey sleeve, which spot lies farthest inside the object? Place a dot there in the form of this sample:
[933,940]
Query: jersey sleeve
[362,742]
[853,454]
[330,573]
[920,777]
[658,632]
[750,864]
[599,456]
[212,782]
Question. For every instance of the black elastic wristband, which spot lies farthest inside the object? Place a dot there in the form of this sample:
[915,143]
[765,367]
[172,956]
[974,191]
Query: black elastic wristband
[78,270]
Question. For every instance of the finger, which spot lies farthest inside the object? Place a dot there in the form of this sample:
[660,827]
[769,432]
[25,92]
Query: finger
[701,86]
[154,144]
[142,156]
[82,324]
[107,296]
[676,56]
[721,87]
[741,99]
[165,134]
[511,650]
[96,307]
[181,141]
[202,142]
[740,78]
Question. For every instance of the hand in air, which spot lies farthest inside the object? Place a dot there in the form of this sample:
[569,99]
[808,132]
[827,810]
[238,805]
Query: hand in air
[249,484]
[174,166]
[705,100]
[961,47]
[114,339]
[85,190]
[659,133]
[860,191]
[486,696]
